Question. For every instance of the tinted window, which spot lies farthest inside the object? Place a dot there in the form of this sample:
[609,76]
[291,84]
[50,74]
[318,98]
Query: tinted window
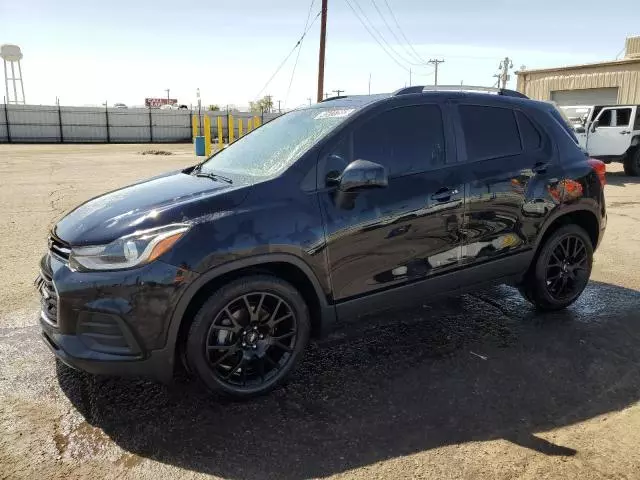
[623,117]
[605,119]
[531,139]
[405,140]
[489,132]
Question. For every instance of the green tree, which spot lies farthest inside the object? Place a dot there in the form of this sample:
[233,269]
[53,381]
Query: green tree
[214,108]
[265,104]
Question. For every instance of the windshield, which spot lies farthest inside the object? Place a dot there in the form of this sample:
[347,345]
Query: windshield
[276,145]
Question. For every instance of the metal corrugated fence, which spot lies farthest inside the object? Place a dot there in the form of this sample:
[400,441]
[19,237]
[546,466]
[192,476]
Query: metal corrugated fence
[58,124]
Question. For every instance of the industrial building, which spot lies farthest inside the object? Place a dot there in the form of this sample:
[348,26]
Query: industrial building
[604,83]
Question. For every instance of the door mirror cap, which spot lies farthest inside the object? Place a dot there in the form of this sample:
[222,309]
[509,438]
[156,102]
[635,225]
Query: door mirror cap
[595,125]
[363,174]
[580,129]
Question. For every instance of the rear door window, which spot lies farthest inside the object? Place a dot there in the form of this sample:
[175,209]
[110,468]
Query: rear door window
[489,132]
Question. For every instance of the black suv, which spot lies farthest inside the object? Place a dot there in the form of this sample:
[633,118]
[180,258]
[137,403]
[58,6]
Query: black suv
[328,212]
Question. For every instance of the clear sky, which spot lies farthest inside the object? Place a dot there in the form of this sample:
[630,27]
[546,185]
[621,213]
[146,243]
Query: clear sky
[88,51]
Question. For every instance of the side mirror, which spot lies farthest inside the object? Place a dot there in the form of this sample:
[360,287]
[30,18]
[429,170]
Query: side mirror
[580,129]
[362,174]
[594,125]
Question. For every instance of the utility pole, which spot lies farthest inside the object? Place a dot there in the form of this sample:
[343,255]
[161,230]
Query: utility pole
[309,98]
[337,92]
[167,90]
[369,83]
[505,66]
[323,37]
[279,109]
[326,95]
[409,76]
[435,62]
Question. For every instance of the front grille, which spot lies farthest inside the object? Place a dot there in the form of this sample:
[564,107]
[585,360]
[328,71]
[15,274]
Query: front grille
[58,248]
[48,299]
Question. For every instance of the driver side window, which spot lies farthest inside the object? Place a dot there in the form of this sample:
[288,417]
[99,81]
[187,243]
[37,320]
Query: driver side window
[406,140]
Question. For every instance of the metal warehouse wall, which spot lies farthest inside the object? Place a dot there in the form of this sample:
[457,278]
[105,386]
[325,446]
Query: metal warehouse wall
[625,75]
[53,124]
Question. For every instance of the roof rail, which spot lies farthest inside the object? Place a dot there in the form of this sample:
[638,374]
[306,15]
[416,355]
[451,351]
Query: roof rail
[408,90]
[458,88]
[333,98]
[472,88]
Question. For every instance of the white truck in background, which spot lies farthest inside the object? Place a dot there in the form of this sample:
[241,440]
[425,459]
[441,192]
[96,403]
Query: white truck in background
[610,133]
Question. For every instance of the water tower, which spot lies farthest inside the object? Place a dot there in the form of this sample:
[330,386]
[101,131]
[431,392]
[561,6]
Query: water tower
[12,55]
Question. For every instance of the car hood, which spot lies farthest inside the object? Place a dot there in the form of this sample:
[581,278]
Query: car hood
[171,198]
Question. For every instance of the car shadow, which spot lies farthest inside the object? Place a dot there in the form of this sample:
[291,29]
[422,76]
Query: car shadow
[478,367]
[621,179]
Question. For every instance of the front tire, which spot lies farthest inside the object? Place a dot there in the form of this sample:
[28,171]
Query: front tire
[632,163]
[561,270]
[248,336]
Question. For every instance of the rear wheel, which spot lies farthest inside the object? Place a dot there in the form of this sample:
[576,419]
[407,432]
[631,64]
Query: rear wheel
[561,271]
[632,163]
[248,336]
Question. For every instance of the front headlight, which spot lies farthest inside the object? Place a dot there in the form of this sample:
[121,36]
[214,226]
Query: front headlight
[129,251]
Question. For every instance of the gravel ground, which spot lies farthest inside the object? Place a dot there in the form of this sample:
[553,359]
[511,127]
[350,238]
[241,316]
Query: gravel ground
[479,386]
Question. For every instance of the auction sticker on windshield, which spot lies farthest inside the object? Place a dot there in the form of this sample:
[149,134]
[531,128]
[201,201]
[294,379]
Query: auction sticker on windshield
[335,113]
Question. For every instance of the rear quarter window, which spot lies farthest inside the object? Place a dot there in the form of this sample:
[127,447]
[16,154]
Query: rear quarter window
[531,137]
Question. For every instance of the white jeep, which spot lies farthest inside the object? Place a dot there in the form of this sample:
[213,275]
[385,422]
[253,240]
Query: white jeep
[609,133]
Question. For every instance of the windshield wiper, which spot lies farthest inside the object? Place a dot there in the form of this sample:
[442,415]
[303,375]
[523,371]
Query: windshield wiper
[213,176]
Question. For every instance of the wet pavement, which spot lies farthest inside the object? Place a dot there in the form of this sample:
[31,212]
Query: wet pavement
[475,386]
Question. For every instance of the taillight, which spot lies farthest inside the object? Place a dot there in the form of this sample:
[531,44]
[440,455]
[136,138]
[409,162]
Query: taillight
[600,168]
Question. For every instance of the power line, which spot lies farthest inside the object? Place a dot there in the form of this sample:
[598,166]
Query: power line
[288,56]
[402,33]
[293,72]
[396,36]
[372,25]
[376,38]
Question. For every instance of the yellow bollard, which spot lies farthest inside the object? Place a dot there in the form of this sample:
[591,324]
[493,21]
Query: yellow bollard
[194,126]
[256,121]
[219,132]
[231,128]
[207,135]
[249,124]
[240,132]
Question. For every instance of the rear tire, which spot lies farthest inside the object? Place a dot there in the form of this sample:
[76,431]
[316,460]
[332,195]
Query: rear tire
[248,336]
[561,270]
[632,163]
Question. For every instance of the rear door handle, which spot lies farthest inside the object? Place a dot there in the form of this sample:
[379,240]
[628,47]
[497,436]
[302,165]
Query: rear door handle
[540,168]
[444,195]
[625,132]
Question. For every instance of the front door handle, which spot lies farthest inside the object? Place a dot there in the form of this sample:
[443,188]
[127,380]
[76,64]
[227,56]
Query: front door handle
[625,132]
[444,195]
[540,168]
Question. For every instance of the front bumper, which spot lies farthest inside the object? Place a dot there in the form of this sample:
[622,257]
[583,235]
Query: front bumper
[113,323]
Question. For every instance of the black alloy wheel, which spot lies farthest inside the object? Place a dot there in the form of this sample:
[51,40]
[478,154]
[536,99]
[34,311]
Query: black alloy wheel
[567,268]
[561,269]
[248,336]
